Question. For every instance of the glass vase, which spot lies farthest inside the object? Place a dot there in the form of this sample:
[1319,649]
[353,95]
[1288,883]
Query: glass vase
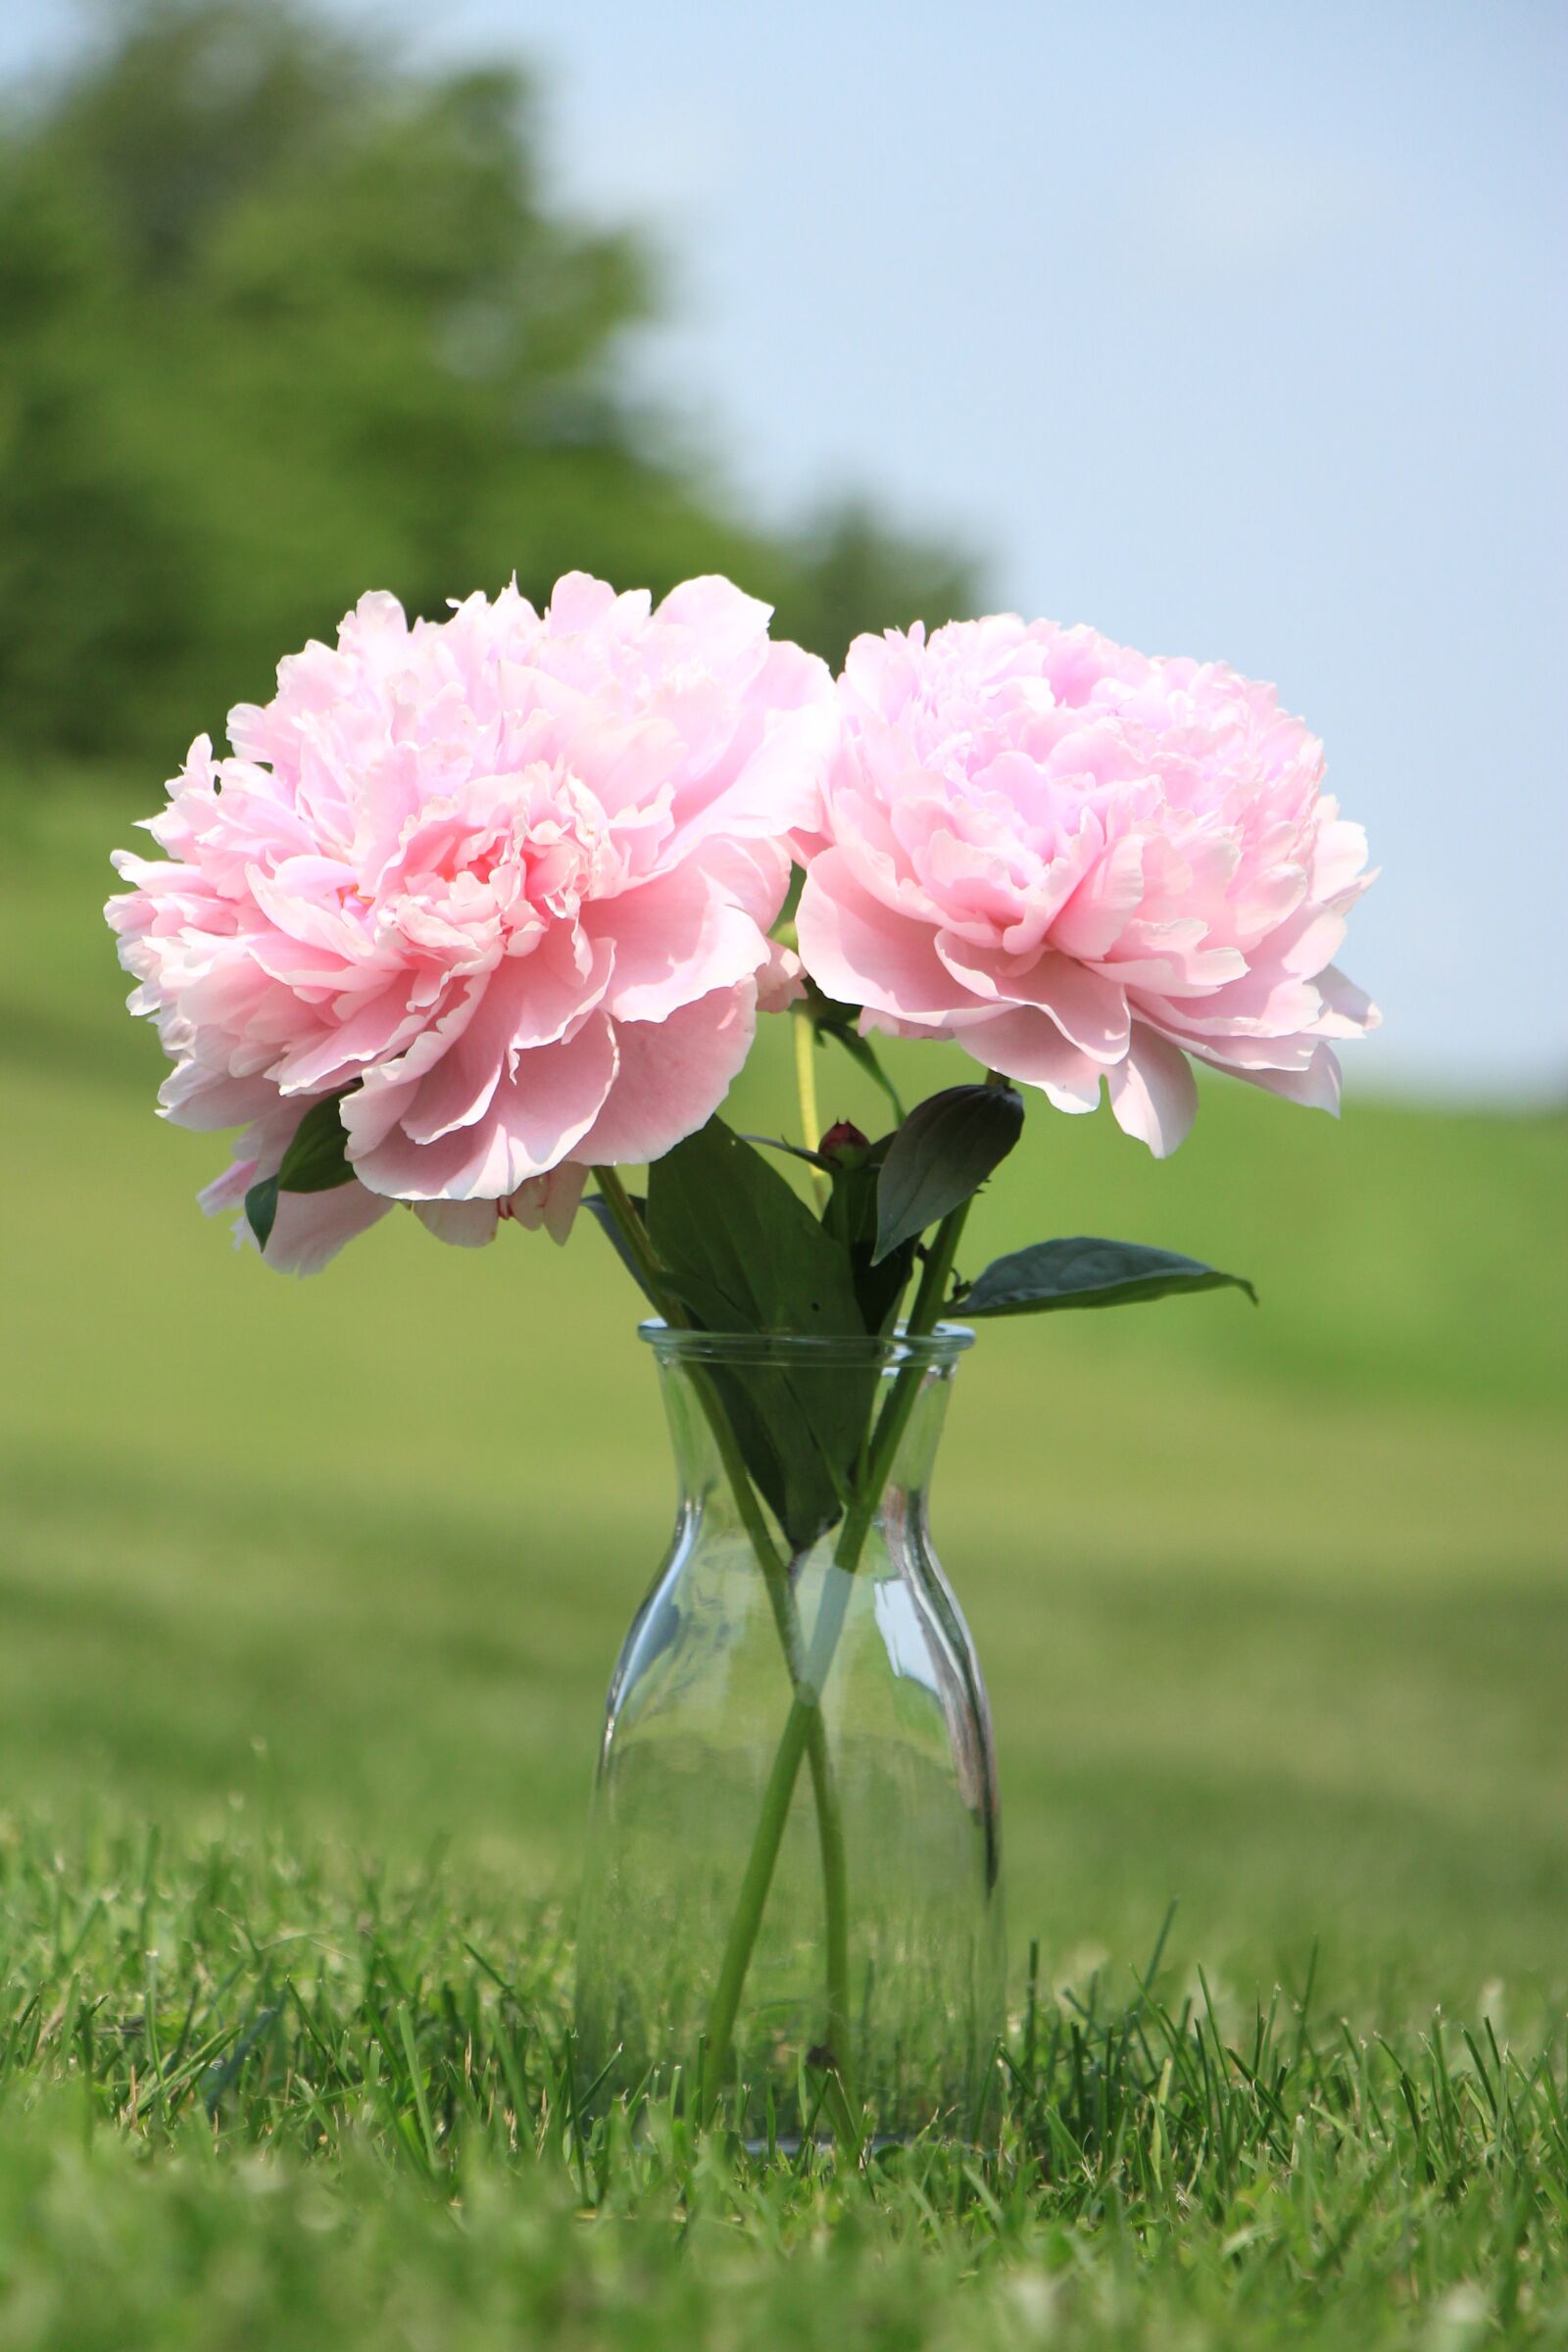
[792,1913]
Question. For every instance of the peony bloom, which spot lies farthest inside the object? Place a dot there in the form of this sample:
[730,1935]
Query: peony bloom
[1084,863]
[500,883]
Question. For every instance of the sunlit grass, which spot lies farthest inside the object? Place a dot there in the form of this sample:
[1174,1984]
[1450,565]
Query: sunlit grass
[253,2100]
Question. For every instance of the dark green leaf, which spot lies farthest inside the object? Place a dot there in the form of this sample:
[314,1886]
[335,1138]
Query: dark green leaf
[316,1161]
[851,1217]
[1086,1272]
[797,1459]
[944,1151]
[728,1225]
[744,1253]
[260,1209]
[826,1012]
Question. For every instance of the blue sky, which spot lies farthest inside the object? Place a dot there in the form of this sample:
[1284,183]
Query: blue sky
[1237,331]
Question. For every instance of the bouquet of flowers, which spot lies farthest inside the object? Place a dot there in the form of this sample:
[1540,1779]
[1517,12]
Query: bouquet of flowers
[475,911]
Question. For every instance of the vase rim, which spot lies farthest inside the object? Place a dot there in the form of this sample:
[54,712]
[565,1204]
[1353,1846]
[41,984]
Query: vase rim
[930,1349]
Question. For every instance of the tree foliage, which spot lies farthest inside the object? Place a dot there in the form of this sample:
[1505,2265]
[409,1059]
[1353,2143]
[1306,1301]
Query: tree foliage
[280,320]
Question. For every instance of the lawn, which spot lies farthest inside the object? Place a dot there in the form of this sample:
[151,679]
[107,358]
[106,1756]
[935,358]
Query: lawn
[309,1593]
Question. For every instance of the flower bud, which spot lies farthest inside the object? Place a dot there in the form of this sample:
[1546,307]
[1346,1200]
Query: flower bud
[843,1142]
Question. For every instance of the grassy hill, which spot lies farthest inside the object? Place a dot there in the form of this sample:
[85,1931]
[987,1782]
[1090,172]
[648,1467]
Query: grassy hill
[308,1595]
[1272,1604]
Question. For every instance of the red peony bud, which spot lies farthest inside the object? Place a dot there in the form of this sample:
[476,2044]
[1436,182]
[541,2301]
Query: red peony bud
[842,1137]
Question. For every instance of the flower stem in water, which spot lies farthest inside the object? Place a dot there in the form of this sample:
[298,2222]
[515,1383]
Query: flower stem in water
[892,1423]
[809,1733]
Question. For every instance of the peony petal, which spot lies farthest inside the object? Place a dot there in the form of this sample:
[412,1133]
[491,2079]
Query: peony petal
[1026,1045]
[1340,854]
[464,1224]
[724,616]
[550,1201]
[310,1228]
[862,953]
[228,1191]
[1089,1010]
[530,1001]
[1265,1005]
[533,1120]
[1317,1087]
[462,1086]
[1241,1054]
[779,983]
[1347,1010]
[579,601]
[779,788]
[1099,910]
[375,1106]
[336,1054]
[194,1096]
[675,939]
[673,1074]
[563,980]
[1153,1095]
[755,875]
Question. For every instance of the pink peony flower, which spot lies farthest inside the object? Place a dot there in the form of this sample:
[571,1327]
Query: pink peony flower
[1084,863]
[507,877]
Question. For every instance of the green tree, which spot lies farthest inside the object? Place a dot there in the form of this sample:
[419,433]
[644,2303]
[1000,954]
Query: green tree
[280,321]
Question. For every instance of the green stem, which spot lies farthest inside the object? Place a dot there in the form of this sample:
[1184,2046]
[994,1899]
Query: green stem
[781,1597]
[894,1418]
[892,1423]
[804,1036]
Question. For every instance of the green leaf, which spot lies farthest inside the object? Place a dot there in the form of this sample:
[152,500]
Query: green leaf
[727,1225]
[851,1217]
[260,1209]
[784,1426]
[1088,1272]
[317,1161]
[944,1151]
[744,1253]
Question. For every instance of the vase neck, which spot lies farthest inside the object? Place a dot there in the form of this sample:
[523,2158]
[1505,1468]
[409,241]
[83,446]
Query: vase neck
[802,1421]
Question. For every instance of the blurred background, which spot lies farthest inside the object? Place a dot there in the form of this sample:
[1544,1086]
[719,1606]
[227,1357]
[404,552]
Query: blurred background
[1237,332]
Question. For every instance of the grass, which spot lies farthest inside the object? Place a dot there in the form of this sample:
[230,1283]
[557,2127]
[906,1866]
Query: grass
[264,2102]
[308,1581]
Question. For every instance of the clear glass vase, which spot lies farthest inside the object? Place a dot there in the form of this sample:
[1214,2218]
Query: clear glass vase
[792,1912]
